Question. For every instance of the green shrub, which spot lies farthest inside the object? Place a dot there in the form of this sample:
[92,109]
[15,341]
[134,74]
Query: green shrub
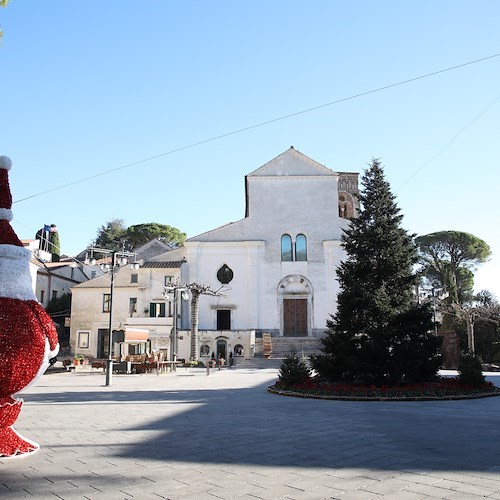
[326,368]
[293,370]
[470,371]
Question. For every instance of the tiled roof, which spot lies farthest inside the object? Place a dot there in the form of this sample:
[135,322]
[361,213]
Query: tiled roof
[59,264]
[176,264]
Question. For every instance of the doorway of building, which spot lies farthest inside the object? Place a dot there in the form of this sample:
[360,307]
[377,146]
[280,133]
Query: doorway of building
[102,343]
[295,317]
[221,348]
[295,295]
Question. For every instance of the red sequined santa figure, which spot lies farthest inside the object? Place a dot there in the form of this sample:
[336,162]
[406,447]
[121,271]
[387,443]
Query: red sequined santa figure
[28,338]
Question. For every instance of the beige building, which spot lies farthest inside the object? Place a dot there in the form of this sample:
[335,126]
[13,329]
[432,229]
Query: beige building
[139,305]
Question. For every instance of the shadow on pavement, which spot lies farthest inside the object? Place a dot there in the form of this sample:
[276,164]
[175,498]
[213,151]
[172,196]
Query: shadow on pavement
[251,426]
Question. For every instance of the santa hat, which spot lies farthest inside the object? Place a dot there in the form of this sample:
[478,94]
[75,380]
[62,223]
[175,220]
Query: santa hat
[15,277]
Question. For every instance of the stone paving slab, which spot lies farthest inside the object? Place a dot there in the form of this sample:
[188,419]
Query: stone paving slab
[188,436]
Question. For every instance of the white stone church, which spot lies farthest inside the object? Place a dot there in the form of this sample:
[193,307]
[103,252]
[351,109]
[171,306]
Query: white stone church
[277,264]
[279,261]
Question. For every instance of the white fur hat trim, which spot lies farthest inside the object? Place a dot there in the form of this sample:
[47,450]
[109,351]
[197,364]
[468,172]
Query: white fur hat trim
[15,277]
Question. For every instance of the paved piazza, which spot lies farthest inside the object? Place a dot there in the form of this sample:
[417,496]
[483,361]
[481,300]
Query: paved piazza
[188,436]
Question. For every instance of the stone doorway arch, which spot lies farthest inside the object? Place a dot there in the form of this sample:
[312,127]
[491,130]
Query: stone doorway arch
[295,299]
[221,348]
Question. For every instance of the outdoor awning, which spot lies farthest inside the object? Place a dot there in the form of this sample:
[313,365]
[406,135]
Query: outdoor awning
[135,335]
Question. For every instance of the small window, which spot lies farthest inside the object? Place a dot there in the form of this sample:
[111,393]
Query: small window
[223,319]
[205,350]
[134,278]
[286,248]
[132,305]
[157,310]
[169,279]
[42,296]
[238,350]
[83,340]
[301,248]
[106,302]
[54,294]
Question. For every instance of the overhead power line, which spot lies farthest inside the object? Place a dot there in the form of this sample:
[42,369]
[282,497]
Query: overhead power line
[261,124]
[452,140]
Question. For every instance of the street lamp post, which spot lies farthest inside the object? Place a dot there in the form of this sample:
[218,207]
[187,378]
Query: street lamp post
[112,270]
[434,295]
[118,259]
[183,293]
[174,327]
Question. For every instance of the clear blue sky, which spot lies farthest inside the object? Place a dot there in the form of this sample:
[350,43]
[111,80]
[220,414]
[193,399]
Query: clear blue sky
[88,87]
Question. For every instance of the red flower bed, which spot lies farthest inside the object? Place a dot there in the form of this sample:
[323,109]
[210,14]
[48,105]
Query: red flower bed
[442,388]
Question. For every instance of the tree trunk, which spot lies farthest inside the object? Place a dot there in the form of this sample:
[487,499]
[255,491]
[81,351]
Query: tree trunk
[470,334]
[195,302]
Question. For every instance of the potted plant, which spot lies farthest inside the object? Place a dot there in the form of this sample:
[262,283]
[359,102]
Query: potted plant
[78,360]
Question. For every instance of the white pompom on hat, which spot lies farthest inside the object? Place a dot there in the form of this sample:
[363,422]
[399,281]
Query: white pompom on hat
[5,162]
[15,277]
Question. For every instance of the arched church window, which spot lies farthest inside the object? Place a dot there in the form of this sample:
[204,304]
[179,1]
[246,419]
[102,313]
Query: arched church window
[286,248]
[204,350]
[346,206]
[345,210]
[301,248]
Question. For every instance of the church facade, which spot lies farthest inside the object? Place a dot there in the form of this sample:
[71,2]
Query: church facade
[277,264]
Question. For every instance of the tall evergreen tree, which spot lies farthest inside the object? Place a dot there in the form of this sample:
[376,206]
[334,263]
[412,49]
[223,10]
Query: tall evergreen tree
[378,334]
[55,243]
[111,236]
[49,241]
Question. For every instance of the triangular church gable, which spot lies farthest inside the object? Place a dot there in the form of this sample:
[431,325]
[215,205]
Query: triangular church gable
[235,231]
[291,163]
